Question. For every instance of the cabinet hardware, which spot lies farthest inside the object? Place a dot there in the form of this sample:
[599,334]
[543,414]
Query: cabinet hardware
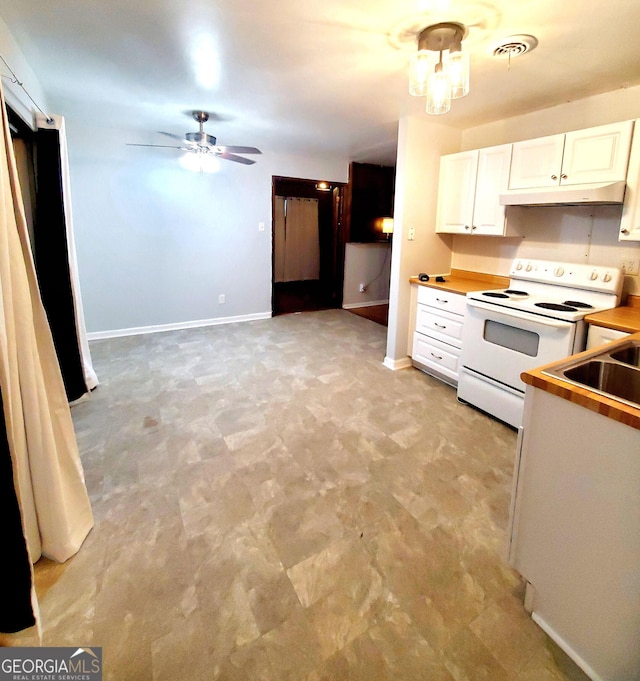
[440,326]
[624,231]
[554,177]
[433,354]
[563,176]
[442,300]
[473,226]
[466,226]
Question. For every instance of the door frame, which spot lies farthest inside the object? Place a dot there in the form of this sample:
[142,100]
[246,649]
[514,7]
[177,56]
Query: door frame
[332,244]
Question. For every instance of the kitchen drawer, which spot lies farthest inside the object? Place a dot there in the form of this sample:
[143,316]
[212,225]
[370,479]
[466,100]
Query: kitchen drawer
[432,354]
[443,300]
[599,335]
[439,324]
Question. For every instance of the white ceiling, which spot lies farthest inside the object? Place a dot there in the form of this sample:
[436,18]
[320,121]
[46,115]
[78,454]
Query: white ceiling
[310,76]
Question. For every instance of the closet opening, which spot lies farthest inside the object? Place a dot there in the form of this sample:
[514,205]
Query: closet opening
[308,245]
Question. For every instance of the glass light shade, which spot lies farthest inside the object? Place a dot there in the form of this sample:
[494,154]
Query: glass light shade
[457,65]
[200,163]
[439,92]
[421,66]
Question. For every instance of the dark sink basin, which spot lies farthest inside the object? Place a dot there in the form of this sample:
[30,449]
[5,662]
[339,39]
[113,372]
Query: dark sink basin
[618,380]
[629,355]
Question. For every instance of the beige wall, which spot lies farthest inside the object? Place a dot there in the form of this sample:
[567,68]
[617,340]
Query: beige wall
[368,264]
[421,142]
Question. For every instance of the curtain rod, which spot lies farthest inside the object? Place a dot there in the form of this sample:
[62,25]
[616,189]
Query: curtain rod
[14,79]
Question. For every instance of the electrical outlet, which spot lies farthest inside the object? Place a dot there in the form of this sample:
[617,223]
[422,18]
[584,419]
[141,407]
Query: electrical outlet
[412,233]
[630,266]
[363,288]
[222,298]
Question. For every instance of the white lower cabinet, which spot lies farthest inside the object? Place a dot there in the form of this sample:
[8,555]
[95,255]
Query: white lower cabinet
[599,335]
[438,333]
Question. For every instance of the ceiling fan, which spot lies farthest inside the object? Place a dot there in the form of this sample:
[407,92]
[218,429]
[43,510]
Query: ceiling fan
[202,144]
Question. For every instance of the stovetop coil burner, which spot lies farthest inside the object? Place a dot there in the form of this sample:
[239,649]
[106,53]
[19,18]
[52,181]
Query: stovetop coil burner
[495,294]
[514,292]
[557,306]
[577,303]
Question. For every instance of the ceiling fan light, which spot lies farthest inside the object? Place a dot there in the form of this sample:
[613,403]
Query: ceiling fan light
[457,65]
[420,67]
[439,92]
[200,163]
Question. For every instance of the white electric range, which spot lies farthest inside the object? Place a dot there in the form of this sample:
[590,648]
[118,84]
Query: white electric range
[537,319]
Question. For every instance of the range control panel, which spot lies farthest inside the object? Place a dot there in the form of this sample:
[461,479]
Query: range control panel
[588,277]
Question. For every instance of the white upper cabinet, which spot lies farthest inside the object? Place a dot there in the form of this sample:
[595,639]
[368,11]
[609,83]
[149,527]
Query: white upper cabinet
[630,223]
[536,163]
[469,191]
[456,191]
[599,154]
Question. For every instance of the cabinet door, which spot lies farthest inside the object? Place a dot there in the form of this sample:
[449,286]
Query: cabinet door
[630,223]
[536,163]
[456,192]
[597,154]
[494,164]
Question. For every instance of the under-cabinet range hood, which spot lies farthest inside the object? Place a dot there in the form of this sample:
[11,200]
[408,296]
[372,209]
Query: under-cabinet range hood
[576,195]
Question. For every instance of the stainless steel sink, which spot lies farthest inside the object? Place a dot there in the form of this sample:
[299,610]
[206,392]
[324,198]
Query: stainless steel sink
[628,355]
[615,374]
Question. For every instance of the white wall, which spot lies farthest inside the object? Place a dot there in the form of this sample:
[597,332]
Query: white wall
[576,234]
[368,264]
[421,142]
[157,245]
[15,95]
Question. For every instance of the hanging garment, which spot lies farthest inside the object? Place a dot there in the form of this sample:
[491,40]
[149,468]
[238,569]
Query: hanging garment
[46,464]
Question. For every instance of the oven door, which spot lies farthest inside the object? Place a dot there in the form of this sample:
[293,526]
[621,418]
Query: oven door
[501,343]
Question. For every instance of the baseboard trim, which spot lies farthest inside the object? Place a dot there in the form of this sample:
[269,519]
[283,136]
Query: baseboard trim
[566,647]
[396,364]
[372,303]
[159,328]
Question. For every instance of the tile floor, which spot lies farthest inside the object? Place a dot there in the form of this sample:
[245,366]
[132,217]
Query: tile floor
[272,504]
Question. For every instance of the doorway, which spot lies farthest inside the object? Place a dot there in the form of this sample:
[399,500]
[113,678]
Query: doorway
[308,245]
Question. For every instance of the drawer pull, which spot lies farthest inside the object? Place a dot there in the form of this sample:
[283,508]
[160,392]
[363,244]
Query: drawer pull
[442,300]
[433,354]
[440,326]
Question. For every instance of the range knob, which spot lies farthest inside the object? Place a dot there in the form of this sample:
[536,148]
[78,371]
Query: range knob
[529,267]
[519,266]
[606,277]
[559,271]
[593,276]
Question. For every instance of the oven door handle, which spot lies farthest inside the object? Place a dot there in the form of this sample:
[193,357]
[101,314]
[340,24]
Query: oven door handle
[538,319]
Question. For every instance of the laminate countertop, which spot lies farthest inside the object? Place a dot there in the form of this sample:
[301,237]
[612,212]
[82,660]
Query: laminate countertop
[606,406]
[623,318]
[463,282]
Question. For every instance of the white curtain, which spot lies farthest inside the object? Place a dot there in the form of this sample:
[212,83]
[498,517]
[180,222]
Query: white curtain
[57,123]
[47,470]
[296,239]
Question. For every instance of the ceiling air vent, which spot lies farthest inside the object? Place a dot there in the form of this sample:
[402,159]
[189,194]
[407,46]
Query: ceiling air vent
[515,45]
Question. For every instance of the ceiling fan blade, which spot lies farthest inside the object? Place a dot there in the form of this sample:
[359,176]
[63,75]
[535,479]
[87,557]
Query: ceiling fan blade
[180,138]
[232,157]
[161,146]
[240,150]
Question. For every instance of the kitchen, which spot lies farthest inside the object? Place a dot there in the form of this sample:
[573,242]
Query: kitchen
[574,489]
[580,235]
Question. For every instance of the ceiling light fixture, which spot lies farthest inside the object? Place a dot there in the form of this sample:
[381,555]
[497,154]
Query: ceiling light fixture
[438,76]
